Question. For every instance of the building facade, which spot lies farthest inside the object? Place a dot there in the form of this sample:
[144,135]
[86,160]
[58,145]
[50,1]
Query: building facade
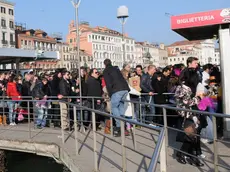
[39,41]
[150,53]
[7,29]
[69,60]
[101,43]
[204,50]
[163,56]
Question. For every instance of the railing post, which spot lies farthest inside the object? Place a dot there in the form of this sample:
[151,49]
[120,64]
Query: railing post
[140,109]
[95,141]
[134,128]
[75,128]
[62,122]
[165,126]
[215,149]
[111,126]
[29,124]
[163,156]
[123,150]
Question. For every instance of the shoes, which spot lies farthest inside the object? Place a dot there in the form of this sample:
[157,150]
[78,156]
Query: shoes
[13,124]
[117,132]
[181,159]
[202,156]
[39,127]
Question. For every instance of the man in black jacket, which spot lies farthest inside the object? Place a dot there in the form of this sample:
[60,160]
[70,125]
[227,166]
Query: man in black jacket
[40,92]
[117,88]
[65,91]
[55,91]
[94,89]
[146,87]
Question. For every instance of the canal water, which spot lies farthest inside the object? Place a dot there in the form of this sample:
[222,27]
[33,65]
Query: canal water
[24,162]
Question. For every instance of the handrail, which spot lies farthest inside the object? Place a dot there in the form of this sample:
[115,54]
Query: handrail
[138,102]
[156,153]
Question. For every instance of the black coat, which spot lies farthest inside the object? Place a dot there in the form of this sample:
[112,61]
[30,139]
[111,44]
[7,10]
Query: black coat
[40,90]
[26,88]
[54,84]
[114,80]
[159,87]
[65,88]
[94,87]
[146,83]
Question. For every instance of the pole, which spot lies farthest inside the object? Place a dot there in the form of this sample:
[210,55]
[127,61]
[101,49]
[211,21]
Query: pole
[123,38]
[76,6]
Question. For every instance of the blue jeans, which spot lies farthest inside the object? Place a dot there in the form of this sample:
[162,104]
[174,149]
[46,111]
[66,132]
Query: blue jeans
[117,105]
[150,114]
[12,113]
[41,114]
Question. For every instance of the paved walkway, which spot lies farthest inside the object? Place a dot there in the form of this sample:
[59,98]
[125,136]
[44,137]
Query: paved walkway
[111,160]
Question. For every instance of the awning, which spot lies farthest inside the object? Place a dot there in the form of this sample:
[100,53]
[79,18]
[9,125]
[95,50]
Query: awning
[10,55]
[202,25]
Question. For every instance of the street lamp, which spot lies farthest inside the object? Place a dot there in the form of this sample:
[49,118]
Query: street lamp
[122,15]
[76,4]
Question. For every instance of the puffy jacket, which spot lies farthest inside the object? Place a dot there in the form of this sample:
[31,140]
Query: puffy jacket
[65,88]
[37,91]
[146,83]
[114,80]
[12,91]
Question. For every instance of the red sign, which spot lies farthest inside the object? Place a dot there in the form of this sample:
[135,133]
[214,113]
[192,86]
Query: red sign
[201,19]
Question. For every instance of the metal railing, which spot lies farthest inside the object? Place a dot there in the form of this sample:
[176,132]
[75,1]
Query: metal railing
[213,116]
[163,140]
[158,151]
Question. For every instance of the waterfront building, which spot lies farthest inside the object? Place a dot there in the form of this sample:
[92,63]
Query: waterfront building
[204,50]
[40,41]
[101,43]
[7,29]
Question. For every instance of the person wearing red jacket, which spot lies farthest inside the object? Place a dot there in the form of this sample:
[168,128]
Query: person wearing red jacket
[14,95]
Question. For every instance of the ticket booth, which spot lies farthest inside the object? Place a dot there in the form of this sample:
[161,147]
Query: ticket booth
[207,25]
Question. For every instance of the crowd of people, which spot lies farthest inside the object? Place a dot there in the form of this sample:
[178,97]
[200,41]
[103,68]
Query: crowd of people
[191,87]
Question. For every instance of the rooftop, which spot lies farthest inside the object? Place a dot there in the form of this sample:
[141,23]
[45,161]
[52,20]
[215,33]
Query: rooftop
[7,2]
[185,42]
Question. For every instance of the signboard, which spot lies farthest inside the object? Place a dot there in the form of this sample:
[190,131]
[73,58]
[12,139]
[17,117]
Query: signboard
[208,18]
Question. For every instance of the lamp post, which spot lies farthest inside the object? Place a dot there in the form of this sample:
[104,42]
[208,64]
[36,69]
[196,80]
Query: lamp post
[122,15]
[76,4]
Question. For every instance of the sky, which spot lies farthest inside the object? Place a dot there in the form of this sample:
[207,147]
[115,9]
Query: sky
[147,21]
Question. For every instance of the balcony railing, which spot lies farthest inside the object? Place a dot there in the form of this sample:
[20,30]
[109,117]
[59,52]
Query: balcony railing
[4,42]
[12,42]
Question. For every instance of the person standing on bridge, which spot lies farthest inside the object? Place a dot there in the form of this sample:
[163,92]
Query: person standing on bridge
[14,95]
[117,88]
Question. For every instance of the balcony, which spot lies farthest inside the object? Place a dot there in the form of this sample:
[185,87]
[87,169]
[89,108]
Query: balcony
[4,27]
[4,42]
[12,42]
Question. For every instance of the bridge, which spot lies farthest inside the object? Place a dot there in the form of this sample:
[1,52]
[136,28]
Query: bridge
[148,148]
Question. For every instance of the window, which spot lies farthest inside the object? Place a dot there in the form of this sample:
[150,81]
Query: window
[3,23]
[11,24]
[71,40]
[3,36]
[3,10]
[11,37]
[11,12]
[102,38]
[25,42]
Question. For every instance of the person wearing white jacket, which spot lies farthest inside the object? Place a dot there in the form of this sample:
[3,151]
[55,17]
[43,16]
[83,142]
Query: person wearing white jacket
[129,107]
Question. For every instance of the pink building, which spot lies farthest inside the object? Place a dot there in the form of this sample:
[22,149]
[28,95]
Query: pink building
[100,43]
